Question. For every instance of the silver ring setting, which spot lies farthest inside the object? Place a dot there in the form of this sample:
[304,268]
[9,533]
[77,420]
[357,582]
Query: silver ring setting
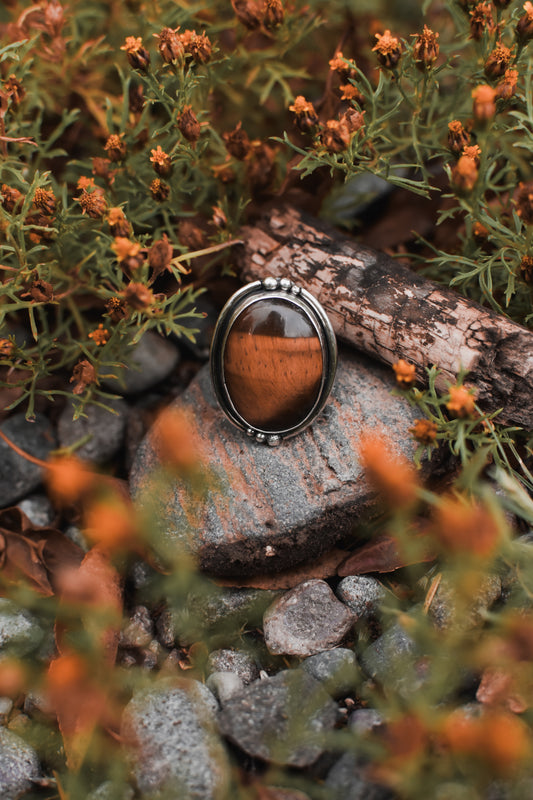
[273,359]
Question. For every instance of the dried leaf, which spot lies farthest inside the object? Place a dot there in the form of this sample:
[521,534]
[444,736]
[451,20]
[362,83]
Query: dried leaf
[384,555]
[497,687]
[324,567]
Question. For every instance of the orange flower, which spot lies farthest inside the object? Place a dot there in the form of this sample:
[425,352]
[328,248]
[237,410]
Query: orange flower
[388,49]
[463,526]
[484,102]
[111,525]
[118,224]
[458,138]
[391,474]
[68,479]
[12,677]
[176,440]
[425,48]
[100,335]
[138,296]
[305,115]
[462,402]
[424,431]
[65,671]
[405,373]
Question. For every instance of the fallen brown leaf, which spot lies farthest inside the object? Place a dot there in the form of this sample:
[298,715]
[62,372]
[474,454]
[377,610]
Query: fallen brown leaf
[383,554]
[324,567]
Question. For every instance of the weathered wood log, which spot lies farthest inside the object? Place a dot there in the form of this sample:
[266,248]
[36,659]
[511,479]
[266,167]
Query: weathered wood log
[390,312]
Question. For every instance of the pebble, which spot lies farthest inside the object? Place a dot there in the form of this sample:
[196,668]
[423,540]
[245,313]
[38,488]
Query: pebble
[443,611]
[106,430]
[272,508]
[306,620]
[224,685]
[111,791]
[362,595]
[172,745]
[18,476]
[223,610]
[139,630]
[38,509]
[337,669]
[20,632]
[347,780]
[393,661]
[19,766]
[236,661]
[280,719]
[153,359]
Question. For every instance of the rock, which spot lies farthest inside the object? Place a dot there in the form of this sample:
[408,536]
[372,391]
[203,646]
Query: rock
[281,719]
[272,508]
[337,669]
[20,633]
[443,609]
[394,661]
[18,476]
[362,595]
[364,720]
[172,745]
[237,661]
[106,430]
[111,791]
[224,685]
[6,706]
[347,779]
[306,620]
[38,509]
[153,359]
[19,766]
[139,630]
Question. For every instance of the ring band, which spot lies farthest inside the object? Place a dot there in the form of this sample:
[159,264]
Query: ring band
[273,359]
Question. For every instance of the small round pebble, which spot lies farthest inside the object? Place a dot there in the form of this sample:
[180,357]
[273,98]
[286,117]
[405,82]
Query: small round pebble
[19,765]
[237,661]
[362,595]
[336,669]
[224,685]
[38,509]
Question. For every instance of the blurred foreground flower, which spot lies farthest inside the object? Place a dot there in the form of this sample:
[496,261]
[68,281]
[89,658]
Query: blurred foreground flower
[390,473]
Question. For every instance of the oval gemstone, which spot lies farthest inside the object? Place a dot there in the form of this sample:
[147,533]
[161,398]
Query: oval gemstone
[273,364]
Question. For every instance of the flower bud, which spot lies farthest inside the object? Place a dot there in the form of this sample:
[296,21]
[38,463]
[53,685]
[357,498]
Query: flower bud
[458,138]
[426,49]
[388,50]
[170,46]
[138,56]
[188,124]
[524,26]
[237,143]
[335,137]
[274,14]
[484,102]
[305,116]
[115,147]
[497,62]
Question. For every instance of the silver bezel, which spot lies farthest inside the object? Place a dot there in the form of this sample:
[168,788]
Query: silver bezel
[270,288]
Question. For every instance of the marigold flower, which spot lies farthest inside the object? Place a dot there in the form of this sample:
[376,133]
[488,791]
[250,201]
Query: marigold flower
[465,173]
[94,203]
[274,14]
[405,373]
[524,26]
[484,102]
[497,62]
[13,677]
[249,12]
[388,49]
[160,255]
[6,348]
[463,527]
[118,224]
[161,162]
[138,296]
[507,86]
[66,670]
[115,147]
[305,116]
[111,525]
[481,20]
[462,402]
[351,92]
[84,183]
[353,119]
[138,56]
[237,142]
[188,124]
[16,91]
[68,479]
[338,64]
[100,335]
[336,136]
[424,431]
[426,48]
[392,475]
[176,440]
[159,190]
[41,291]
[45,199]
[116,309]
[125,248]
[199,46]
[83,374]
[524,202]
[170,46]
[102,169]
[11,198]
[473,151]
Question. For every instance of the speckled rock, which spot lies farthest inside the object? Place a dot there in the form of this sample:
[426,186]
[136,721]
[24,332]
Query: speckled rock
[19,766]
[272,508]
[152,360]
[280,719]
[111,791]
[445,614]
[20,633]
[237,661]
[224,685]
[395,662]
[172,744]
[306,620]
[106,430]
[362,595]
[337,669]
[18,476]
[38,509]
[347,780]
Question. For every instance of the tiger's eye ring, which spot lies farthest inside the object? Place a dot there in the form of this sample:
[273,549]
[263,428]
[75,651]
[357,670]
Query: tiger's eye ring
[273,359]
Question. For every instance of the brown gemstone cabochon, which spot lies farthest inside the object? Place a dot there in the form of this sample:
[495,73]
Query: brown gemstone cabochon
[272,508]
[273,364]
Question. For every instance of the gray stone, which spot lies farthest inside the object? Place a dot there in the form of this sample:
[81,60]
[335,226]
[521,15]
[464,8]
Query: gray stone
[237,661]
[111,791]
[19,766]
[306,620]
[105,429]
[18,476]
[337,669]
[153,359]
[221,610]
[272,508]
[172,745]
[364,720]
[394,661]
[138,631]
[362,595]
[6,706]
[282,719]
[445,613]
[20,633]
[224,685]
[347,779]
[38,509]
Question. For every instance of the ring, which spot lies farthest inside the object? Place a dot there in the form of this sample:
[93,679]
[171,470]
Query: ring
[273,359]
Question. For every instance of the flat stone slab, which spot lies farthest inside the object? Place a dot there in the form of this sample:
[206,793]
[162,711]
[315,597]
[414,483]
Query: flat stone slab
[273,508]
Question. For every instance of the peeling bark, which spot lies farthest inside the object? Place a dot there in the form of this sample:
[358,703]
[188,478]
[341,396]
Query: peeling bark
[390,312]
